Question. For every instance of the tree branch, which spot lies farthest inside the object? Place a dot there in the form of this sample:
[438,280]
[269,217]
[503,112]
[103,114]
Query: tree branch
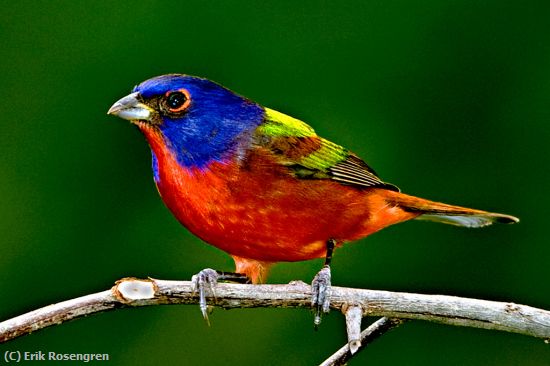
[375,330]
[450,310]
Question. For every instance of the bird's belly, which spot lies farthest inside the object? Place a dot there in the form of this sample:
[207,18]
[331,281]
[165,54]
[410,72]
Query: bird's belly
[263,233]
[253,229]
[268,220]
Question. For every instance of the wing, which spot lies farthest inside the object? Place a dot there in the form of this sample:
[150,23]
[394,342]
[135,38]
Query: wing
[295,144]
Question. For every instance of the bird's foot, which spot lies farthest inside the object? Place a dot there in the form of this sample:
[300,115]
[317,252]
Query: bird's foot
[205,278]
[320,294]
[208,279]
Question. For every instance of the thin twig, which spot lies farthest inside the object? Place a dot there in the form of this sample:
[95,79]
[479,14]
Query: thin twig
[372,332]
[354,316]
[450,310]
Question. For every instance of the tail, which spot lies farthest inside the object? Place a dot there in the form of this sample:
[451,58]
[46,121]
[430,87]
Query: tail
[447,214]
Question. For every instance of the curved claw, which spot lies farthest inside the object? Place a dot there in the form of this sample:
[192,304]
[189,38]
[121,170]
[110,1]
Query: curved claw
[320,294]
[207,278]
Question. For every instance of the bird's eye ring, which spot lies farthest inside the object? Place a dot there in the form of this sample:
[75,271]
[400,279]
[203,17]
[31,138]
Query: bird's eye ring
[177,101]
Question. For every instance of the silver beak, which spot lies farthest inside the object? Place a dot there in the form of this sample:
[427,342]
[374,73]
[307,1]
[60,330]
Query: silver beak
[131,108]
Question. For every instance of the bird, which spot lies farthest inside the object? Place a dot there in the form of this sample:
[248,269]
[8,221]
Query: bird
[262,186]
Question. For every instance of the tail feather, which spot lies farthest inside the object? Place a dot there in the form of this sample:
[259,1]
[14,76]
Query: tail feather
[448,214]
[469,220]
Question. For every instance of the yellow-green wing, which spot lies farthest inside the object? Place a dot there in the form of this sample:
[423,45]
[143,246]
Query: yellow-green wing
[308,156]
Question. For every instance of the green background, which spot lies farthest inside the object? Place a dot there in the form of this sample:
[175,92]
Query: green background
[447,99]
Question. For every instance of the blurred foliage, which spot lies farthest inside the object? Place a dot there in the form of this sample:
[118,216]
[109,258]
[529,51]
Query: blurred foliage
[447,99]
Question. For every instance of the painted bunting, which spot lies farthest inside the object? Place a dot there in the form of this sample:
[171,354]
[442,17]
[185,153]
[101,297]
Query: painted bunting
[263,186]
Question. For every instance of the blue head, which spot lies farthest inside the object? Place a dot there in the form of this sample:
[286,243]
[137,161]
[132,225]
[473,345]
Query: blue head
[200,120]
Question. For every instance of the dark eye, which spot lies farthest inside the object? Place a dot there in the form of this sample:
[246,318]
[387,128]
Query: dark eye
[177,101]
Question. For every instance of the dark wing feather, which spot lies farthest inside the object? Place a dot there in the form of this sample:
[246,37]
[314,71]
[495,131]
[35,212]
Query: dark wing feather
[355,171]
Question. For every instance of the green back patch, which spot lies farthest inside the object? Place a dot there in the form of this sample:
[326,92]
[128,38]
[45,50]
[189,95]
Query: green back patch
[295,144]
